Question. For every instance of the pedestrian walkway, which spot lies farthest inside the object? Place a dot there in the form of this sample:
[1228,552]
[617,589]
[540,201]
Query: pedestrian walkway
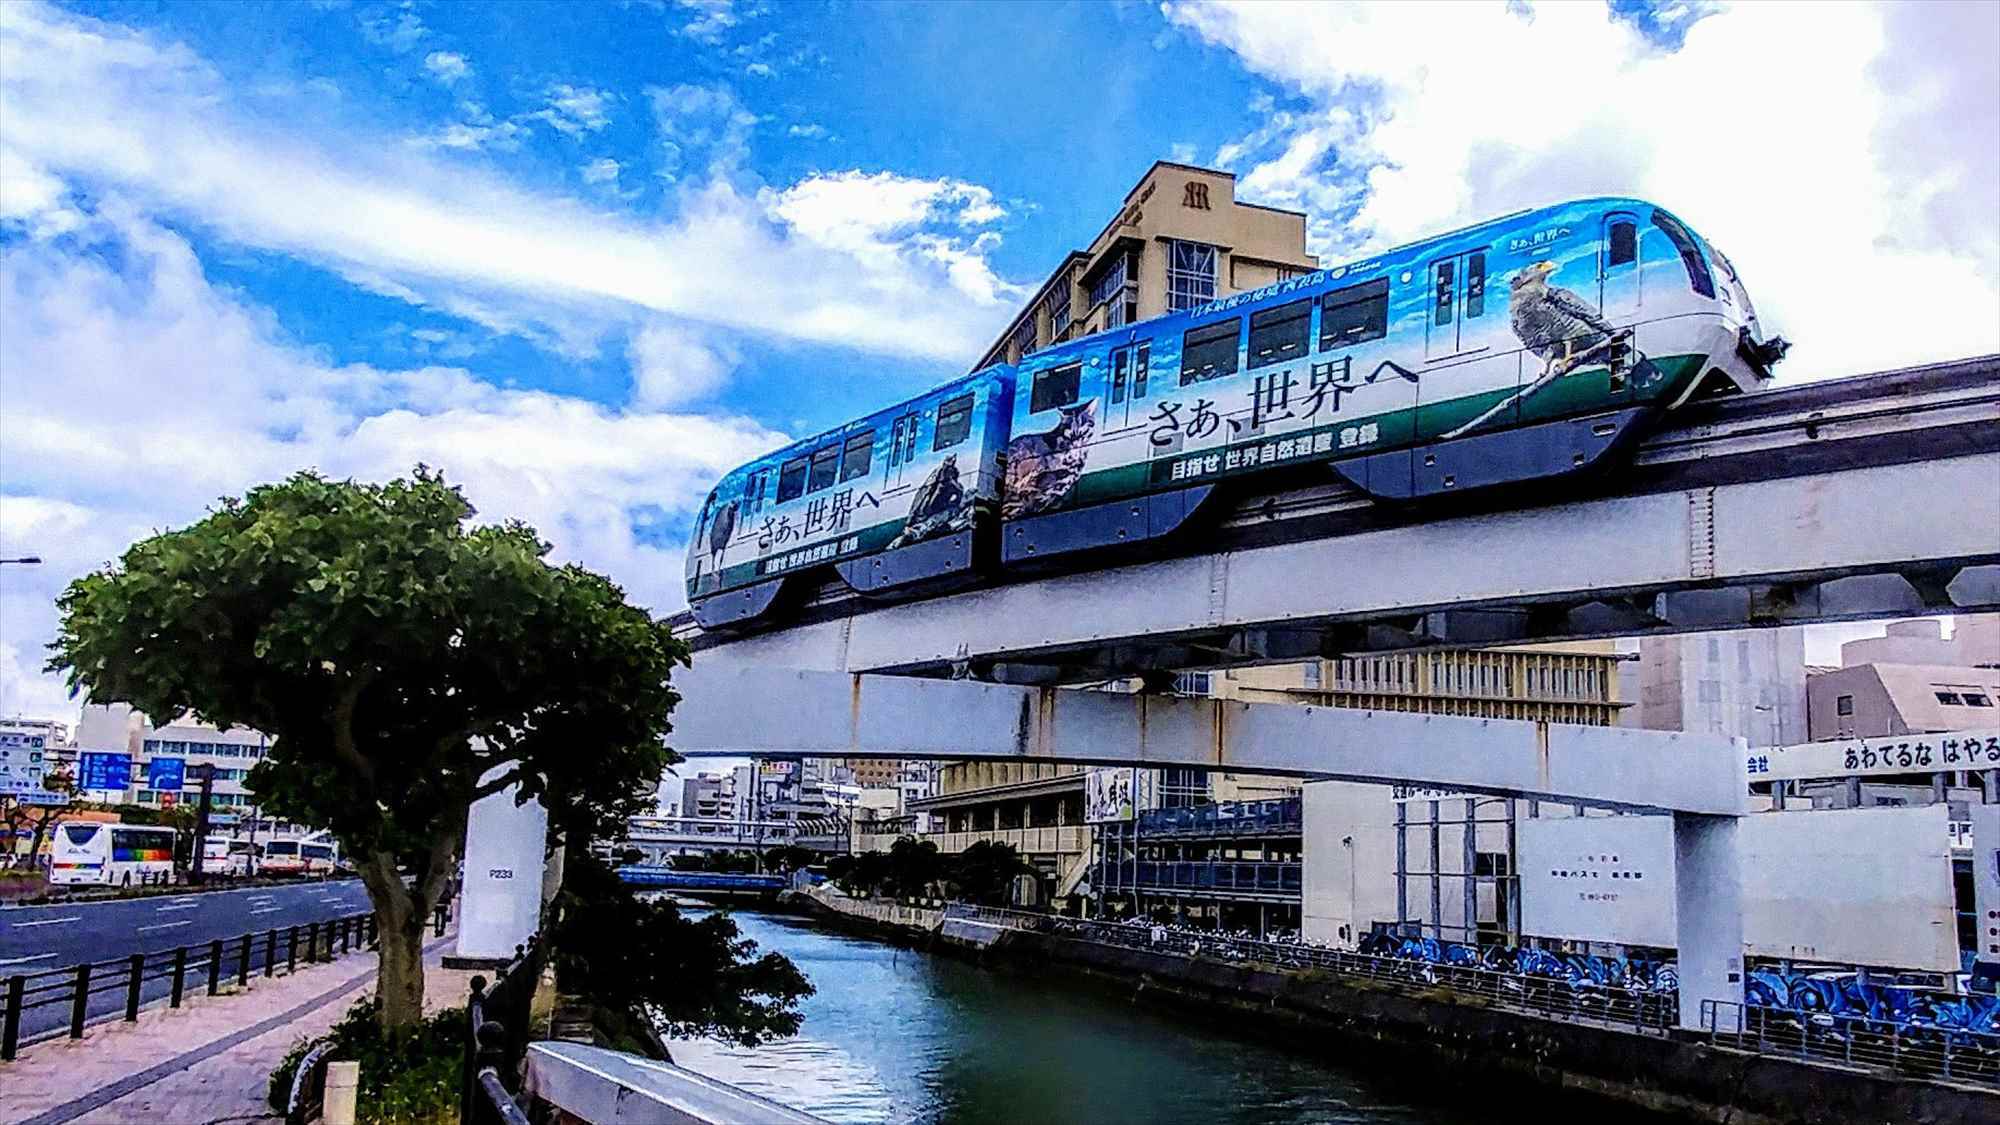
[203,1064]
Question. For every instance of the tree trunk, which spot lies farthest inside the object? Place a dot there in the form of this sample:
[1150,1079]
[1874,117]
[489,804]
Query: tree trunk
[399,921]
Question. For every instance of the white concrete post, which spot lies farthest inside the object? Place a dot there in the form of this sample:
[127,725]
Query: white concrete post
[505,857]
[1708,901]
[343,1092]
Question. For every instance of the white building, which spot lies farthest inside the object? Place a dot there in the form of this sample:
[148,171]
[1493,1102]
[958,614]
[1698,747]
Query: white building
[1749,683]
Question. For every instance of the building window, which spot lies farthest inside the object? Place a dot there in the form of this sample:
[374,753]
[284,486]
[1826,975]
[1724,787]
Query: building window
[954,422]
[860,450]
[1209,352]
[1024,334]
[1059,310]
[1191,683]
[1058,386]
[1843,705]
[1190,274]
[1183,786]
[1354,315]
[1950,697]
[1974,699]
[1278,335]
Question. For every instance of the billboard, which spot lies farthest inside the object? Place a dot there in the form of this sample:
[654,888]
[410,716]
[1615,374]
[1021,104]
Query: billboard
[98,769]
[1877,757]
[1112,793]
[1848,886]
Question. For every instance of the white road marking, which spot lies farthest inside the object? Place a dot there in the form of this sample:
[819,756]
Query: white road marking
[24,960]
[47,921]
[167,925]
[174,906]
[266,910]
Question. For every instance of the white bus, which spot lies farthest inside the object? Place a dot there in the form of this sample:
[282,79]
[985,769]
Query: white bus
[112,855]
[321,857]
[281,857]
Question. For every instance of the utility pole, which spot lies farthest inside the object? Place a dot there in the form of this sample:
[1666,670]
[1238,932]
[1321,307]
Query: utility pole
[204,773]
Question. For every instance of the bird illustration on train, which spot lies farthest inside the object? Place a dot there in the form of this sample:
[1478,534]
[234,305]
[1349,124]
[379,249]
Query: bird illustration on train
[1396,374]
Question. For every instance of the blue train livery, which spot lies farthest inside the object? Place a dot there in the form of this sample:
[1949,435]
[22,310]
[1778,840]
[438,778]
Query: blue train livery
[1521,349]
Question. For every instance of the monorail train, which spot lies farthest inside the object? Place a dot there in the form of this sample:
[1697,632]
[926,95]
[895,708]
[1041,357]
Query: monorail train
[1520,349]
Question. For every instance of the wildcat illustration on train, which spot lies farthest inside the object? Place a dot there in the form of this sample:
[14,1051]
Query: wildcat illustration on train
[1523,349]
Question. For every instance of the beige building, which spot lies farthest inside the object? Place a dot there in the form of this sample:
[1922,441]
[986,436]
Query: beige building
[1912,680]
[1180,239]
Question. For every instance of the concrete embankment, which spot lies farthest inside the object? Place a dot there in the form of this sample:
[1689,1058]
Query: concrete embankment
[1422,1036]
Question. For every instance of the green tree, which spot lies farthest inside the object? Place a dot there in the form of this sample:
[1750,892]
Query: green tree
[985,871]
[686,977]
[787,858]
[407,663]
[914,865]
[18,819]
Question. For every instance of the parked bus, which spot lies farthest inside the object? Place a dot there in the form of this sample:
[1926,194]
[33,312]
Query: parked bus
[215,857]
[281,857]
[112,855]
[321,857]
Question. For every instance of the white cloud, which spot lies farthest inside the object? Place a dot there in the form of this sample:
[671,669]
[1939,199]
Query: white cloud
[574,110]
[674,365]
[881,219]
[812,131]
[710,19]
[448,67]
[137,393]
[1849,174]
[399,28]
[601,171]
[760,70]
[100,104]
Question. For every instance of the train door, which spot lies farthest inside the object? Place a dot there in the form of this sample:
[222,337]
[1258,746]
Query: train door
[902,449]
[1619,284]
[1124,401]
[1457,306]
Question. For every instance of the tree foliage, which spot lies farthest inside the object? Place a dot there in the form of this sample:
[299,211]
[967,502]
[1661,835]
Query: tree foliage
[914,868]
[406,662]
[689,977]
[985,872]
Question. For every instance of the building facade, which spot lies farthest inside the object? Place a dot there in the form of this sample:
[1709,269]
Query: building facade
[1912,680]
[1179,239]
[1748,684]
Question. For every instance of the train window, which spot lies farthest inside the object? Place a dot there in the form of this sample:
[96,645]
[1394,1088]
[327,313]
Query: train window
[1058,386]
[1354,315]
[792,480]
[825,465]
[1209,352]
[1141,363]
[954,422]
[1475,284]
[1697,270]
[753,490]
[1121,360]
[1279,334]
[854,460]
[1624,248]
[1445,273]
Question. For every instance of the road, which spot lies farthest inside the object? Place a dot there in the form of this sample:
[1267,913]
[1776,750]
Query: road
[37,939]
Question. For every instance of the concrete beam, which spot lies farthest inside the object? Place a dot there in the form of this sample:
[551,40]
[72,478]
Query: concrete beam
[753,710]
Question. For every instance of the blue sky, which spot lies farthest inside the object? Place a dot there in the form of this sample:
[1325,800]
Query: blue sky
[586,257]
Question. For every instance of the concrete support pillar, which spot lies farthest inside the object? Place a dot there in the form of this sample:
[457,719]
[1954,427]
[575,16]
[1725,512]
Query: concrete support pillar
[1708,884]
[1990,786]
[505,858]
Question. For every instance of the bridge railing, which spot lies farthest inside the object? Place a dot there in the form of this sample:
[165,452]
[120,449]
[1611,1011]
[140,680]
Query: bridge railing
[497,1029]
[1925,1050]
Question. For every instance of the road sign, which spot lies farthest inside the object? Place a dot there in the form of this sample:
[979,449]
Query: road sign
[100,770]
[42,797]
[168,774]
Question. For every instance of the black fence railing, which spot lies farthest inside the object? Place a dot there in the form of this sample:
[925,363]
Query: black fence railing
[498,1027]
[1261,876]
[54,1002]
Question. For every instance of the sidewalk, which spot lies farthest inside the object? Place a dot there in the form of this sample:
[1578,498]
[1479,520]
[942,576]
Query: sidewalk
[203,1064]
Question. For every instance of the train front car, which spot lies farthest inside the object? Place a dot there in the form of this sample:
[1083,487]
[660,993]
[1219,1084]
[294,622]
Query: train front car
[892,501]
[1525,348]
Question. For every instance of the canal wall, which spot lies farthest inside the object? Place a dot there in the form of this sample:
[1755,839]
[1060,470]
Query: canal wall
[1416,1037]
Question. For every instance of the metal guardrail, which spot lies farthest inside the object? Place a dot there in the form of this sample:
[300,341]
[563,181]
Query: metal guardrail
[1647,1012]
[1268,876]
[308,1094]
[497,1031]
[1904,1049]
[92,990]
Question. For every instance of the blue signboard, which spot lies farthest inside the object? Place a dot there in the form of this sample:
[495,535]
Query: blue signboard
[167,774]
[98,770]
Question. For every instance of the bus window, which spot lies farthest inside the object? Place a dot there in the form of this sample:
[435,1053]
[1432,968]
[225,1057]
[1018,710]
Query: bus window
[1058,386]
[854,461]
[954,422]
[1279,334]
[1209,352]
[792,480]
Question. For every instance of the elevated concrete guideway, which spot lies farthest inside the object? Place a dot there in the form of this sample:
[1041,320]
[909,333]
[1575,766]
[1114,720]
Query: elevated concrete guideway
[766,712]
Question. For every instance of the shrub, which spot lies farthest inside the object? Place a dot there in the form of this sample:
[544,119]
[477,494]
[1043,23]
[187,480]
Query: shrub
[408,1077]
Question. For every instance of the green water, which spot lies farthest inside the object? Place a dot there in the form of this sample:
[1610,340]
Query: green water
[900,1036]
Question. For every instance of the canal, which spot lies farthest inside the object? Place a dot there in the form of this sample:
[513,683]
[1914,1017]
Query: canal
[894,1035]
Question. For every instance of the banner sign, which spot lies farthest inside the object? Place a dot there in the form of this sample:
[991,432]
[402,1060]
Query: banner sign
[100,770]
[41,797]
[19,740]
[1888,754]
[1118,793]
[166,773]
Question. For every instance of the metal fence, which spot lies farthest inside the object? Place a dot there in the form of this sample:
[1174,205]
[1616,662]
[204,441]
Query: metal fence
[96,990]
[1632,1009]
[497,1030]
[1909,1050]
[1267,876]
